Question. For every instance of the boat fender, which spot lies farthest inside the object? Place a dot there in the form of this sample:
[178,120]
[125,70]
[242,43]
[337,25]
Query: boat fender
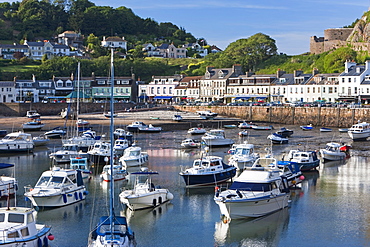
[239,194]
[64,198]
[16,186]
[76,196]
[217,191]
[85,192]
[80,195]
[39,242]
[26,199]
[51,237]
[70,195]
[46,242]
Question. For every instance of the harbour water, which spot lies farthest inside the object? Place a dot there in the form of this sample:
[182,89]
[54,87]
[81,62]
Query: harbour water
[331,207]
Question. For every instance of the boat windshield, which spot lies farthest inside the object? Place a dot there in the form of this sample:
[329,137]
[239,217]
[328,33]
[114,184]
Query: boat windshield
[252,186]
[134,153]
[242,151]
[70,148]
[43,181]
[56,181]
[12,138]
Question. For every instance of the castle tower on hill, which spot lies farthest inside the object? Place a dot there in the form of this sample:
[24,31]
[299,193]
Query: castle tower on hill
[358,38]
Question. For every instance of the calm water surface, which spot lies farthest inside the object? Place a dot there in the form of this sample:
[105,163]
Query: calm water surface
[330,209]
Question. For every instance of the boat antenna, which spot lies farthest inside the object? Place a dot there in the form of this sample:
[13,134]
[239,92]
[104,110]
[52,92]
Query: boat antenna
[111,149]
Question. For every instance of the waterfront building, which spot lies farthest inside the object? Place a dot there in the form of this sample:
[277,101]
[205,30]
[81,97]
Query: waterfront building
[162,88]
[7,92]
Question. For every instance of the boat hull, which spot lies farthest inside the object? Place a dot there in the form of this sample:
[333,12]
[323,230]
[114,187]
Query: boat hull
[43,200]
[218,142]
[359,136]
[332,156]
[137,161]
[151,199]
[210,179]
[16,147]
[309,165]
[254,207]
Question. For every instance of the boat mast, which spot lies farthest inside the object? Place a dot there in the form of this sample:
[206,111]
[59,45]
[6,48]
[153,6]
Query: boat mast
[78,95]
[111,209]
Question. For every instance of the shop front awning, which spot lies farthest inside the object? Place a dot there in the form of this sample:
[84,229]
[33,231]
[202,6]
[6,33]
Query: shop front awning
[242,98]
[163,97]
[261,97]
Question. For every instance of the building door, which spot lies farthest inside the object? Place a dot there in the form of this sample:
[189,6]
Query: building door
[4,98]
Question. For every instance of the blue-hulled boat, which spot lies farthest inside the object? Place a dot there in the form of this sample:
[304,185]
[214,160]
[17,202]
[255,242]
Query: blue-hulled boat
[307,127]
[323,129]
[208,170]
[307,160]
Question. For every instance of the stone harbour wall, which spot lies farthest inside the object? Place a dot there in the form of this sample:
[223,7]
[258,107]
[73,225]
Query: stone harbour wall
[318,116]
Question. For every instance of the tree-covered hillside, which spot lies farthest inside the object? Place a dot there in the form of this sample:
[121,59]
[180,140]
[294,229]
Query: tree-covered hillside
[39,20]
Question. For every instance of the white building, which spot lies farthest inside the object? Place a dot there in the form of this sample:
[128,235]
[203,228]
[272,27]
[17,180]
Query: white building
[114,42]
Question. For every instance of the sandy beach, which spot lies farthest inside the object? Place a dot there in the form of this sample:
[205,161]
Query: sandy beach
[156,117]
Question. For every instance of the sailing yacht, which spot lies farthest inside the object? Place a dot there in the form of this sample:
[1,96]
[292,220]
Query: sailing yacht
[112,230]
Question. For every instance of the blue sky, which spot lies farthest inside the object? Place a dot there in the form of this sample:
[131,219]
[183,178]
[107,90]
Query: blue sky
[290,22]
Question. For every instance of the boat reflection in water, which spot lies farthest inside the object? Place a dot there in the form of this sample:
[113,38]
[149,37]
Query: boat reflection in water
[332,167]
[146,217]
[255,232]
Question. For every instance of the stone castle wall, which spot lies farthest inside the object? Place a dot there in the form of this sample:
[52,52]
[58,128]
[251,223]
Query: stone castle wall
[335,38]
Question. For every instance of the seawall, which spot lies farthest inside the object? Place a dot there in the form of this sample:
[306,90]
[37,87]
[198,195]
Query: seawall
[318,116]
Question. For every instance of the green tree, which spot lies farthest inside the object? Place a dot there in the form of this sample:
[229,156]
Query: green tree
[249,52]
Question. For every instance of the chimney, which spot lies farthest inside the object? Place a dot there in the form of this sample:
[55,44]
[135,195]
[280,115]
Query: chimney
[348,65]
[315,71]
[279,73]
[209,68]
[297,73]
[358,70]
[237,69]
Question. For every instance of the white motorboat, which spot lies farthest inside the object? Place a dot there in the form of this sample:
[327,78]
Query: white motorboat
[324,129]
[33,114]
[277,139]
[68,151]
[144,194]
[133,156]
[120,145]
[243,156]
[107,115]
[17,142]
[207,114]
[84,141]
[216,137]
[111,230]
[8,185]
[18,227]
[197,131]
[258,127]
[245,125]
[40,140]
[57,187]
[190,143]
[119,173]
[55,133]
[258,191]
[35,124]
[177,118]
[81,164]
[150,129]
[100,152]
[134,126]
[243,133]
[123,134]
[334,151]
[359,131]
[206,171]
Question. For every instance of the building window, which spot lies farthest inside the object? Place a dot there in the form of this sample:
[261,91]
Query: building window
[349,79]
[158,90]
[330,90]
